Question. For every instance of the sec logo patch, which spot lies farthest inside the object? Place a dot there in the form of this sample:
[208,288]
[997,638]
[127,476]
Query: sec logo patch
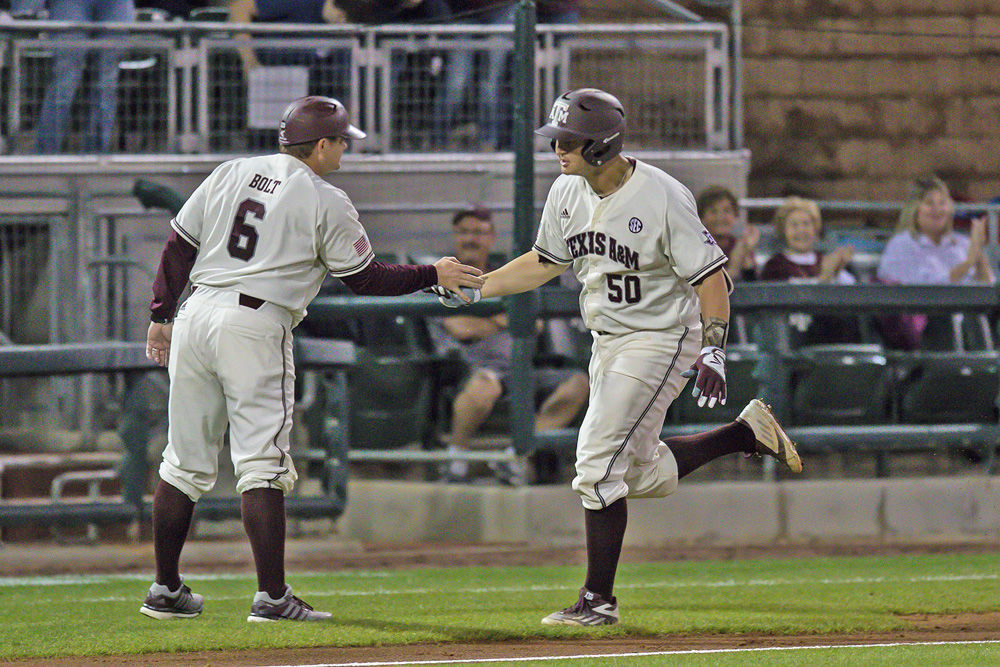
[635,225]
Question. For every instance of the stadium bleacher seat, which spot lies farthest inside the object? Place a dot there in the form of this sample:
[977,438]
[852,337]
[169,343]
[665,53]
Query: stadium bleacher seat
[209,14]
[841,384]
[390,401]
[950,388]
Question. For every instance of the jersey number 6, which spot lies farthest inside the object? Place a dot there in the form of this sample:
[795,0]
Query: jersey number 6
[243,237]
[632,290]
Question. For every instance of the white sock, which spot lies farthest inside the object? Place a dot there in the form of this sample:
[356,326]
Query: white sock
[263,596]
[161,589]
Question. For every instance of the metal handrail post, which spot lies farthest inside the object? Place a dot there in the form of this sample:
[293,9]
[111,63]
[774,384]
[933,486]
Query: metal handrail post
[522,306]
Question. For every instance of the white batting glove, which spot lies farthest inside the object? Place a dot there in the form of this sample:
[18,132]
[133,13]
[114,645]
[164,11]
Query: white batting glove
[451,300]
[710,369]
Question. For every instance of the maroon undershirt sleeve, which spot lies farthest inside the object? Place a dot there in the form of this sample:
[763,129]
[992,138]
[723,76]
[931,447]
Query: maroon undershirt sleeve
[172,276]
[378,279]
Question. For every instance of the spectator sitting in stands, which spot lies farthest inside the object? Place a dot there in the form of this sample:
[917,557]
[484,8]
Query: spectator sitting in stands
[927,251]
[719,212]
[797,223]
[302,12]
[67,72]
[484,344]
[380,12]
[328,70]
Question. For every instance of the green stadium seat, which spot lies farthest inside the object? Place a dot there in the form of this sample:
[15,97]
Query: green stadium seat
[390,401]
[949,388]
[842,384]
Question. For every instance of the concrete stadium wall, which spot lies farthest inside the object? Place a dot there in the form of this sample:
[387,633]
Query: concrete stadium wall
[703,513]
[400,198]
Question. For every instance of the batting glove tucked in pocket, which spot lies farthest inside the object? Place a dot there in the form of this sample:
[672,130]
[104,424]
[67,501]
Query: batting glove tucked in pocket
[710,372]
[452,300]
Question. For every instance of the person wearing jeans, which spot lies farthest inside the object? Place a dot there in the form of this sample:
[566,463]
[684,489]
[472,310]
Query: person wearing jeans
[460,71]
[67,70]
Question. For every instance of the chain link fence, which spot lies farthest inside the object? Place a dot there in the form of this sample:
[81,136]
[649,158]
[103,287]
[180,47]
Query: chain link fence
[192,87]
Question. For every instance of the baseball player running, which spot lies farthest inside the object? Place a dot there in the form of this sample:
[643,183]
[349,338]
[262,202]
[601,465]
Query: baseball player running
[256,240]
[656,298]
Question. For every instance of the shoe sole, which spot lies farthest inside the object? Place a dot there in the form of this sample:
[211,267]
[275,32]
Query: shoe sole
[263,619]
[547,621]
[787,453]
[166,615]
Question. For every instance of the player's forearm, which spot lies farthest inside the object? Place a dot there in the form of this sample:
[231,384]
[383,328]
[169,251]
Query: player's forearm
[521,274]
[378,279]
[713,292]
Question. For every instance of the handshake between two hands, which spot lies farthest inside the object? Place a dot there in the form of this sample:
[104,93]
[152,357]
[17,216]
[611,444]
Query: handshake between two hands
[457,276]
[451,299]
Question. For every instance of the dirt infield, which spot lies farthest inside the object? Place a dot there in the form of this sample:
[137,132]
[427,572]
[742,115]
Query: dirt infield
[966,628]
[330,554]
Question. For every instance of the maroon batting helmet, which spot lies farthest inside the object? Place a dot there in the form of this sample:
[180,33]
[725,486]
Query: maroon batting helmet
[314,117]
[589,115]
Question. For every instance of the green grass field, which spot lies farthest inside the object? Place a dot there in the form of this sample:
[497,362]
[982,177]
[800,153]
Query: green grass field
[98,615]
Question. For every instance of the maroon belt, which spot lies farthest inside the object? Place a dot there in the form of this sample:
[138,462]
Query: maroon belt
[251,301]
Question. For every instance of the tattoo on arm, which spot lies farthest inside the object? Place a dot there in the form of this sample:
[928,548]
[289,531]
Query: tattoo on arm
[714,332]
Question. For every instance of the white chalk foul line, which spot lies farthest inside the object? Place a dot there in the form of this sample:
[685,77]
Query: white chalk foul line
[492,590]
[76,579]
[595,656]
[724,583]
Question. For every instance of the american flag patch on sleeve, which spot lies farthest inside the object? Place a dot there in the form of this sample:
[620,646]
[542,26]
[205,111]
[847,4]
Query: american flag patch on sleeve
[361,246]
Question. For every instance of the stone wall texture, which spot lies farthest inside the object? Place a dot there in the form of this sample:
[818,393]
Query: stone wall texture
[852,99]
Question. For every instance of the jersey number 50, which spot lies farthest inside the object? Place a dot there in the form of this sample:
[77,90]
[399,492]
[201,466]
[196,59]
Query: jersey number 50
[243,237]
[620,286]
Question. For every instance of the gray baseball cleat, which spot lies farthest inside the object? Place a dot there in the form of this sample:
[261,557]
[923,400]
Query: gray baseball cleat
[163,604]
[288,608]
[590,609]
[771,438]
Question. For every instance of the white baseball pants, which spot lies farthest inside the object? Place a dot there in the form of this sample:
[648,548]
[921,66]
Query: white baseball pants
[230,364]
[633,379]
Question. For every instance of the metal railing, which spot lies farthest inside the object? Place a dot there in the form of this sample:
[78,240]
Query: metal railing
[133,426]
[182,85]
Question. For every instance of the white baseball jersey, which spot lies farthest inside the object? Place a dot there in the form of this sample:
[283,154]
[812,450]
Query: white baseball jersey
[266,227]
[637,252]
[270,227]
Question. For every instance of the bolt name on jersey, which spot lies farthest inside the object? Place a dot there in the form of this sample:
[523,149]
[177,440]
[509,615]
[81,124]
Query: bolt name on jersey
[264,184]
[599,243]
